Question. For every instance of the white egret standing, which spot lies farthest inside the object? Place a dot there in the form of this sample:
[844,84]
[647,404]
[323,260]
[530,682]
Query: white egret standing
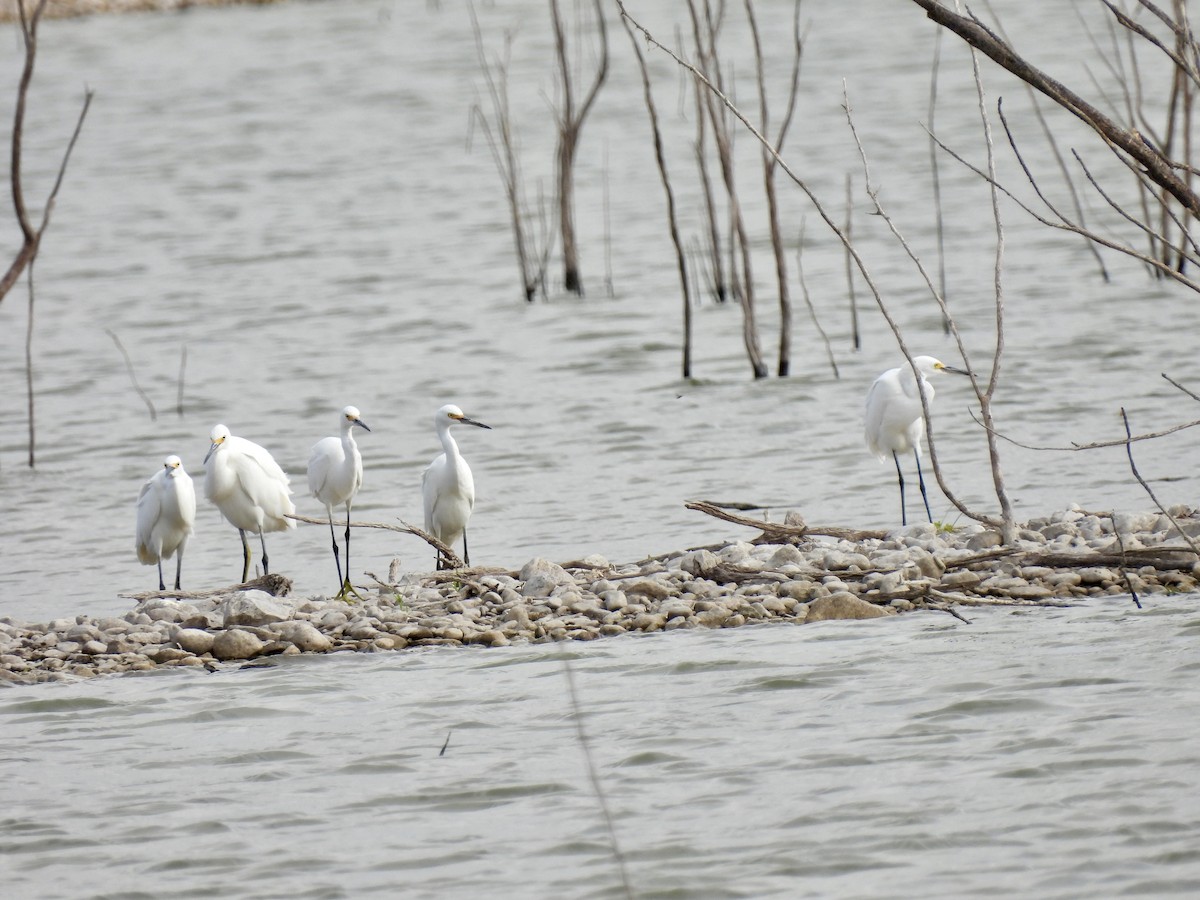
[334,477]
[166,511]
[246,484]
[895,423]
[447,486]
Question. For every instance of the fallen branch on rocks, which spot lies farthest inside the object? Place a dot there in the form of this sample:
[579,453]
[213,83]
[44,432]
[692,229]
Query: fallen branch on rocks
[275,585]
[453,560]
[793,530]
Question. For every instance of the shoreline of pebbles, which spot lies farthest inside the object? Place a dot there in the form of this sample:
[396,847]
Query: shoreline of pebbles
[69,9]
[1057,559]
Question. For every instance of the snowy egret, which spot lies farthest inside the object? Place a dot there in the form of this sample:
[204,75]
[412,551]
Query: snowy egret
[447,486]
[246,484]
[334,477]
[166,510]
[894,421]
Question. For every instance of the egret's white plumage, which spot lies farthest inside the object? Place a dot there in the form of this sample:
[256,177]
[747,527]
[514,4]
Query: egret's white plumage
[335,476]
[894,420]
[447,487]
[166,511]
[249,488]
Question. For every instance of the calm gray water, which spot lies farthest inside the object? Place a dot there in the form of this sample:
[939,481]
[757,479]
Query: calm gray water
[295,194]
[1045,753]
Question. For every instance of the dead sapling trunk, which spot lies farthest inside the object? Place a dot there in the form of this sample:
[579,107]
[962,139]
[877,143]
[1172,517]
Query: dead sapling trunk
[769,168]
[31,236]
[497,128]
[672,220]
[712,230]
[742,278]
[570,116]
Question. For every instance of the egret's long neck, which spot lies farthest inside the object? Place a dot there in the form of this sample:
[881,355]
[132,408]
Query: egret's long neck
[449,447]
[910,384]
[348,444]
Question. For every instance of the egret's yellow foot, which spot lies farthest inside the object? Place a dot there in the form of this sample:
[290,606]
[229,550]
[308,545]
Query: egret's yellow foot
[346,591]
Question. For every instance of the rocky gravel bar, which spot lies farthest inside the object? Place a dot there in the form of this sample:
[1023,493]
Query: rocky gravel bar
[1056,560]
[67,9]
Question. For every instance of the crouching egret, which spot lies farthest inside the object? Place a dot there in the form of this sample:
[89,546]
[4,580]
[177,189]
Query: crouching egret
[246,484]
[166,510]
[894,421]
[334,477]
[447,486]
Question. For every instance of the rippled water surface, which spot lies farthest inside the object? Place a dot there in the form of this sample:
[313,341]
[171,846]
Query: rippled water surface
[1046,753]
[296,194]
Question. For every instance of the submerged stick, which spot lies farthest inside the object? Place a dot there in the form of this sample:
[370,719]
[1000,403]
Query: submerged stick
[132,375]
[581,735]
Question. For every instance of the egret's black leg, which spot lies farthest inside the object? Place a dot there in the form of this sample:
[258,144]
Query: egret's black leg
[333,539]
[262,540]
[178,568]
[466,555]
[921,479]
[161,586]
[245,556]
[900,477]
[347,581]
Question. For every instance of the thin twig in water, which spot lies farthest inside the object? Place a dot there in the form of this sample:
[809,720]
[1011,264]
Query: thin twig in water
[29,368]
[182,370]
[812,311]
[950,610]
[1112,516]
[581,734]
[1094,445]
[442,752]
[132,377]
[1180,386]
[1146,487]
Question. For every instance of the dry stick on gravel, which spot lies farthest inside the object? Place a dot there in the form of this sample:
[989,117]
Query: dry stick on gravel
[672,219]
[452,558]
[781,533]
[273,584]
[132,376]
